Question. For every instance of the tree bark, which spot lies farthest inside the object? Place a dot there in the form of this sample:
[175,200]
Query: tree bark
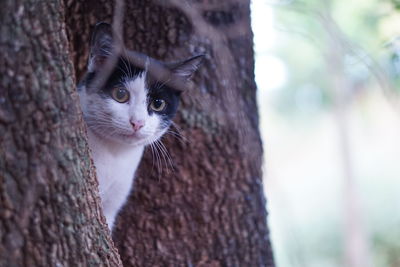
[210,210]
[49,211]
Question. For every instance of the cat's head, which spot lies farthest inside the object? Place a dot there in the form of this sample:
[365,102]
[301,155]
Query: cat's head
[129,108]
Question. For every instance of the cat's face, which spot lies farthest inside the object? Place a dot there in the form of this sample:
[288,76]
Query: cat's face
[129,108]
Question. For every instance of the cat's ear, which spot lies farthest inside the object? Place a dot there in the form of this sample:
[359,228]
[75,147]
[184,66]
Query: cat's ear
[187,67]
[101,45]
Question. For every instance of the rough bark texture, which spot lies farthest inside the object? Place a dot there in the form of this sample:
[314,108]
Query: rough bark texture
[209,211]
[49,212]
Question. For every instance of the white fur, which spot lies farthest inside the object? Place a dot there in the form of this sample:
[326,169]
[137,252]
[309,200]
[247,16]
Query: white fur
[116,148]
[115,167]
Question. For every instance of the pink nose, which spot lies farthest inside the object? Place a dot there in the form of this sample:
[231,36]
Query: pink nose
[136,125]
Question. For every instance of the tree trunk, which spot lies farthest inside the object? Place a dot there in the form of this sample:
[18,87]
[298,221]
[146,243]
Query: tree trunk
[210,209]
[49,206]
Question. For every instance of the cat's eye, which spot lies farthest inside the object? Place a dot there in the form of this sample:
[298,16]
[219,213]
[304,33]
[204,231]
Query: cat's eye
[120,95]
[157,104]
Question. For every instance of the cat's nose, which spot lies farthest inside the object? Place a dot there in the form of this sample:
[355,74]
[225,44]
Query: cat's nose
[137,124]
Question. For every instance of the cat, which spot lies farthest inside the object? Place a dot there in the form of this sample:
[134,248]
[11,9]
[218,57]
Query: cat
[123,116]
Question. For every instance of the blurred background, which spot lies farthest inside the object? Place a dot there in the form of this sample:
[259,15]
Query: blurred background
[328,74]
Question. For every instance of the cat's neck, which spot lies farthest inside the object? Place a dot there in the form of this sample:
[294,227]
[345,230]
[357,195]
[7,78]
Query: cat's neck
[97,143]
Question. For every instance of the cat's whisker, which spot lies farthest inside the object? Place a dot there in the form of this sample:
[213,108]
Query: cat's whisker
[158,157]
[181,138]
[106,126]
[113,124]
[152,156]
[176,126]
[168,155]
[177,136]
[162,158]
[165,154]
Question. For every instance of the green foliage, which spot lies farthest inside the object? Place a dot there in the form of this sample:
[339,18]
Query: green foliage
[396,4]
[310,29]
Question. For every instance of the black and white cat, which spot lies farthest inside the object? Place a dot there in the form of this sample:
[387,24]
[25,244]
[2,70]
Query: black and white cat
[123,116]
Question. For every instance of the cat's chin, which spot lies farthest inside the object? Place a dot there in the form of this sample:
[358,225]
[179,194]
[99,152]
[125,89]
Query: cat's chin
[136,139]
[132,140]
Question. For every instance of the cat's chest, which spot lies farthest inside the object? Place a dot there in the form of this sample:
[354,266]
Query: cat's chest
[115,167]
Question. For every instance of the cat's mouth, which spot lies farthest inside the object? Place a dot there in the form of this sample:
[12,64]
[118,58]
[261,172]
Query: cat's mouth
[134,135]
[131,135]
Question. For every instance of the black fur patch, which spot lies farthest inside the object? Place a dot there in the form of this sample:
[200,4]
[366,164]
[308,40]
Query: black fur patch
[169,95]
[122,71]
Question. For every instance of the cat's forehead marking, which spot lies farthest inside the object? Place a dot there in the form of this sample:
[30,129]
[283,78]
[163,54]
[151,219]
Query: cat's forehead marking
[137,86]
